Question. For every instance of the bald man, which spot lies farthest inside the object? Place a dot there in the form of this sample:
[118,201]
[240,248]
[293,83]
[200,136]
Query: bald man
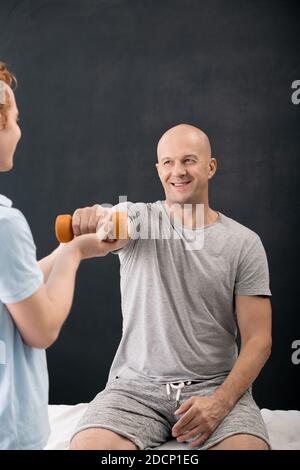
[190,276]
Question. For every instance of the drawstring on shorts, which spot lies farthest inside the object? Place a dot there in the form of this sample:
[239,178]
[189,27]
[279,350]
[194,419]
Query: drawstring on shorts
[176,386]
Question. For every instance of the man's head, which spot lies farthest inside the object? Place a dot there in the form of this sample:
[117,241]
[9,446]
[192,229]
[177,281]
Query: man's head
[10,132]
[185,164]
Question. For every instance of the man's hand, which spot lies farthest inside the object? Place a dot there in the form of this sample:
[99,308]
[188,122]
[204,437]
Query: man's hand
[89,219]
[94,231]
[200,417]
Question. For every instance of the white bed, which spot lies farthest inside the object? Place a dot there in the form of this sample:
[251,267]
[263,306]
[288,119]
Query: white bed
[283,427]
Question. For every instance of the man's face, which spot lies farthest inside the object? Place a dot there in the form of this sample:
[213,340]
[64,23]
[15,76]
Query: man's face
[9,134]
[184,167]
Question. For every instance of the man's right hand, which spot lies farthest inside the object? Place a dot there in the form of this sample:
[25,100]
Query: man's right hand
[88,219]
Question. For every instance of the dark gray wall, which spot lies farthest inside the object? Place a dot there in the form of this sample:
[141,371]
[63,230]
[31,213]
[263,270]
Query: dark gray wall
[99,81]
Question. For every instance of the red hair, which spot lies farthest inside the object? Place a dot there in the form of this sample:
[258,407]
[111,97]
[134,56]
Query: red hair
[7,77]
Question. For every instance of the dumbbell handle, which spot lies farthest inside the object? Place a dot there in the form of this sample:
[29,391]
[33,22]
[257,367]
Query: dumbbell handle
[64,230]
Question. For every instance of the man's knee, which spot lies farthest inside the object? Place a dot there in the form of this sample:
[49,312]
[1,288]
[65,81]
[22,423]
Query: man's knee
[241,442]
[100,439]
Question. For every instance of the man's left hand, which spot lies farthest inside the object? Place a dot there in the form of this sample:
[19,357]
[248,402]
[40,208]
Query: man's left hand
[200,417]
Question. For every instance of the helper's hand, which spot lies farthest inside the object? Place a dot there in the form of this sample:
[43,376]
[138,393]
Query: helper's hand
[200,417]
[88,219]
[91,246]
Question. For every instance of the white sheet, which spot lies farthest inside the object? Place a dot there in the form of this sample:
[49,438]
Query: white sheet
[283,427]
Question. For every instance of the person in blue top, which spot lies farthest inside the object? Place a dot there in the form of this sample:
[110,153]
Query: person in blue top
[35,300]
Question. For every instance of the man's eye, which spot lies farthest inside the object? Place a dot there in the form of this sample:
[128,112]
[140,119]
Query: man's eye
[189,160]
[167,162]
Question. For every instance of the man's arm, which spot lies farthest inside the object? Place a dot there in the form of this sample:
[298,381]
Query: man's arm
[254,316]
[205,413]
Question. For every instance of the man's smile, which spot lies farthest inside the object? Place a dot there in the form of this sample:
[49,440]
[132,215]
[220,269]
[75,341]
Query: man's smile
[181,186]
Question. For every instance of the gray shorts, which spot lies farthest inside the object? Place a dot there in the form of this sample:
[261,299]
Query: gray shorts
[142,411]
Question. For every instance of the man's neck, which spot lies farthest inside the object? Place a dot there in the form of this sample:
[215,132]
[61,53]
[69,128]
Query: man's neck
[192,215]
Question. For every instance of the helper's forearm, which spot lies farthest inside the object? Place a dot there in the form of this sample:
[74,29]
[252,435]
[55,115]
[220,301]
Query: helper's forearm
[251,360]
[61,284]
[46,264]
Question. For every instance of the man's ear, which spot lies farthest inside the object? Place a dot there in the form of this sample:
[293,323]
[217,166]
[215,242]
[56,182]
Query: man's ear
[212,167]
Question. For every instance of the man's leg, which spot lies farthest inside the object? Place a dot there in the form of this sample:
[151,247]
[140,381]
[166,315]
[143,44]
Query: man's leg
[128,414]
[241,442]
[100,439]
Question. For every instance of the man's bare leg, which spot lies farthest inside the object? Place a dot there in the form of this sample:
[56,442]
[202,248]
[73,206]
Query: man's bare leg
[100,439]
[241,442]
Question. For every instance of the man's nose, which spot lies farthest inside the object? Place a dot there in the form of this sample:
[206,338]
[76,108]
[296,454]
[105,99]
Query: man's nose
[179,169]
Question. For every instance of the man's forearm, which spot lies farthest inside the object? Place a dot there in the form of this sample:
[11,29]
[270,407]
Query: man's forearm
[251,360]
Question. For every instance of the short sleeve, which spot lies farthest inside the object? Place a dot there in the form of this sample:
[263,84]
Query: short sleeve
[20,274]
[253,272]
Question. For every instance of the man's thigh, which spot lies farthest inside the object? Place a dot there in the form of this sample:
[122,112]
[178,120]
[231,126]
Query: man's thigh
[132,410]
[244,420]
[241,442]
[100,439]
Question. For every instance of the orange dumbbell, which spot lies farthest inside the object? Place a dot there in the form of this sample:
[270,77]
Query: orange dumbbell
[64,231]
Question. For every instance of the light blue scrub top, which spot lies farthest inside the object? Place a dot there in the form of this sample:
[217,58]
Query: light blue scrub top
[24,420]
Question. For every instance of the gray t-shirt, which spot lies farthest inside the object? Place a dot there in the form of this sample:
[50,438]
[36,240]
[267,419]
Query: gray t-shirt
[178,305]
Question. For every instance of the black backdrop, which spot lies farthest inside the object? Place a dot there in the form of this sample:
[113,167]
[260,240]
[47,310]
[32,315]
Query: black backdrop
[99,81]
